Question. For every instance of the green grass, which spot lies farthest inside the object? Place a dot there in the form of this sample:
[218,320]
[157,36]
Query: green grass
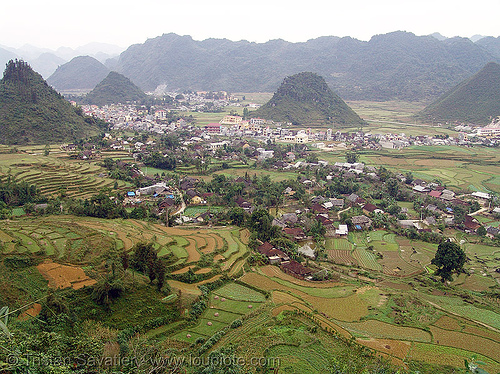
[234,306]
[238,292]
[223,316]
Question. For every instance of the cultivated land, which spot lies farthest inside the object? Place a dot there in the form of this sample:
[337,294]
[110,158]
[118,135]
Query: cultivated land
[368,312]
[383,297]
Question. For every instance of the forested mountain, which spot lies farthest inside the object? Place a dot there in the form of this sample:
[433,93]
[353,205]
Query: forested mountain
[81,73]
[31,112]
[114,89]
[397,65]
[306,99]
[476,100]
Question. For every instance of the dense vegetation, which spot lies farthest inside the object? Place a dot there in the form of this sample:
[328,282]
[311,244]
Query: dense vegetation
[32,112]
[395,65]
[114,89]
[475,100]
[305,98]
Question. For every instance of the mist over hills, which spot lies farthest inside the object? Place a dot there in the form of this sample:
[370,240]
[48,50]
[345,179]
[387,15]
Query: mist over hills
[397,65]
[45,61]
[83,73]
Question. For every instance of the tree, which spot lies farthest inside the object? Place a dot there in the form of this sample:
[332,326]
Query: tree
[481,231]
[351,157]
[449,259]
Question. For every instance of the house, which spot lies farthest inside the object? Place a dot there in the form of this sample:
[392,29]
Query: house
[436,194]
[370,208]
[342,230]
[323,218]
[492,232]
[316,208]
[296,269]
[296,233]
[361,222]
[279,223]
[213,128]
[274,255]
[482,195]
[429,221]
[307,251]
[337,203]
[421,189]
[409,223]
[289,218]
[471,224]
[447,195]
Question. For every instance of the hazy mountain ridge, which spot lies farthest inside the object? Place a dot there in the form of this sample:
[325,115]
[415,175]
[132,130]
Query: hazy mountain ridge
[305,98]
[83,72]
[397,65]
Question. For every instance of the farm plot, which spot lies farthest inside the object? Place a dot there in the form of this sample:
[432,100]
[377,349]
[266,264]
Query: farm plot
[51,174]
[238,292]
[393,264]
[367,259]
[338,244]
[274,271]
[64,276]
[341,257]
[486,347]
[382,330]
[441,355]
[395,348]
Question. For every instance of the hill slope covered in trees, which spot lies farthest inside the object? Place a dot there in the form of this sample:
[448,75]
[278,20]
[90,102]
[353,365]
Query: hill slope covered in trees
[305,98]
[476,100]
[114,89]
[31,112]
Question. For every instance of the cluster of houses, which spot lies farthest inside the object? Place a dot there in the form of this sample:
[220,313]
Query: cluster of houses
[277,257]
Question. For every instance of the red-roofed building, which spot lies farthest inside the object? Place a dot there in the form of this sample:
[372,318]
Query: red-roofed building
[471,224]
[296,233]
[317,208]
[296,269]
[274,255]
[436,194]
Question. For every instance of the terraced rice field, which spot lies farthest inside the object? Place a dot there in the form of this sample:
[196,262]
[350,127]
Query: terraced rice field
[367,259]
[229,303]
[341,257]
[442,355]
[78,178]
[83,239]
[393,264]
[382,330]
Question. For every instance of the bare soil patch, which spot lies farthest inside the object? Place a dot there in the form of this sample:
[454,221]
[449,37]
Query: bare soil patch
[64,276]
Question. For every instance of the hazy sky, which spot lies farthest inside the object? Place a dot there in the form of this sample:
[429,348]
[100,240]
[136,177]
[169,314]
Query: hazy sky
[55,23]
